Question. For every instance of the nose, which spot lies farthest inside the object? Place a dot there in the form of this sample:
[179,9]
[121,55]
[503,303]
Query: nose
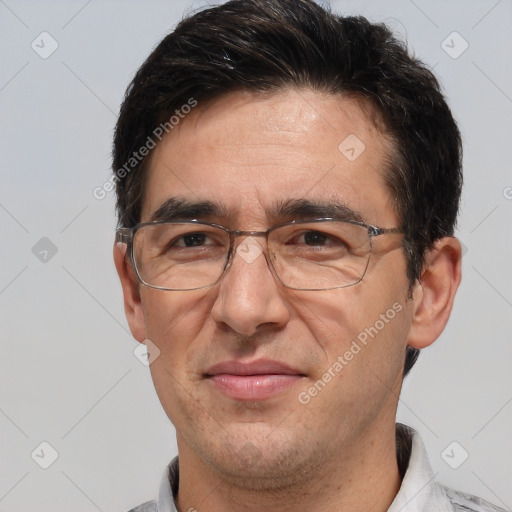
[250,298]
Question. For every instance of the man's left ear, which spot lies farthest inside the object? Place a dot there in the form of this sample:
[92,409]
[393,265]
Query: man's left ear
[434,292]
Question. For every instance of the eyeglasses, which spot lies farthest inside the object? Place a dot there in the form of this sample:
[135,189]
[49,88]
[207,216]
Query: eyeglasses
[317,254]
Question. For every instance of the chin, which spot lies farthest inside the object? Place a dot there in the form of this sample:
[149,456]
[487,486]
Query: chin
[264,461]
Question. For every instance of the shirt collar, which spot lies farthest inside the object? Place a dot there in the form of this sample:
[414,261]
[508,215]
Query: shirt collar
[418,491]
[169,488]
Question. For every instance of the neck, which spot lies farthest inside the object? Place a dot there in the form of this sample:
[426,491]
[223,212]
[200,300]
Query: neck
[360,477]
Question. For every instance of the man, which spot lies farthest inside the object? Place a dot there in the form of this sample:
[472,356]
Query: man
[287,189]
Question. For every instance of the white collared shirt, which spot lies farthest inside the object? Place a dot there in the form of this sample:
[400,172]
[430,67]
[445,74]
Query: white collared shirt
[419,491]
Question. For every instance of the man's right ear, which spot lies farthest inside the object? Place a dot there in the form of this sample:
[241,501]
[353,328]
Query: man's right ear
[131,295]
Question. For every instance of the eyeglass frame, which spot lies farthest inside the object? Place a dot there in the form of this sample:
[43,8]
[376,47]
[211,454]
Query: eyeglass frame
[126,236]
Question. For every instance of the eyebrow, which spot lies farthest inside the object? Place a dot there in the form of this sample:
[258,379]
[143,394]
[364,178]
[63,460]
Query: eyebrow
[175,208]
[183,209]
[304,209]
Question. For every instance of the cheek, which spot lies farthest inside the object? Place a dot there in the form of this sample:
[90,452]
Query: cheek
[363,327]
[383,315]
[166,309]
[363,354]
[173,321]
[337,317]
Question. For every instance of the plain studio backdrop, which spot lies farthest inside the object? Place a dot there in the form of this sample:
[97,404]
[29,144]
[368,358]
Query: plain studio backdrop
[69,377]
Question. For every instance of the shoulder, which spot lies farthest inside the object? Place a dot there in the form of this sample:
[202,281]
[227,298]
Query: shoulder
[462,502]
[149,506]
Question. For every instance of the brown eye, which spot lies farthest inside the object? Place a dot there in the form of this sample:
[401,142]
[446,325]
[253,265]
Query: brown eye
[191,240]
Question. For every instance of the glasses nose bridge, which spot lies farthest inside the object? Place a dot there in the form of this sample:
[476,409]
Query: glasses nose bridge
[234,234]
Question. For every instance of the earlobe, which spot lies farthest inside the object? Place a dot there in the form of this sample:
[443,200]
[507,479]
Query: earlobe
[434,293]
[131,296]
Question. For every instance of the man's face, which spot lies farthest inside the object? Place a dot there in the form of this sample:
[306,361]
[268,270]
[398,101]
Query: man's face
[249,153]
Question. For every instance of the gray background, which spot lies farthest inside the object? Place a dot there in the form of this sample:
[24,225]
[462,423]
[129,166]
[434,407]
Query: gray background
[68,375]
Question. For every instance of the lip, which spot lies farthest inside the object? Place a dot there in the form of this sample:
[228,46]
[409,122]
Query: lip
[257,380]
[259,367]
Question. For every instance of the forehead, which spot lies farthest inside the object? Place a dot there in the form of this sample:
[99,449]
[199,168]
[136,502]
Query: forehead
[249,152]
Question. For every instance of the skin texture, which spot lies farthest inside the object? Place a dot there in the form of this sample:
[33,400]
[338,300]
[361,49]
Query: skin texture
[337,452]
